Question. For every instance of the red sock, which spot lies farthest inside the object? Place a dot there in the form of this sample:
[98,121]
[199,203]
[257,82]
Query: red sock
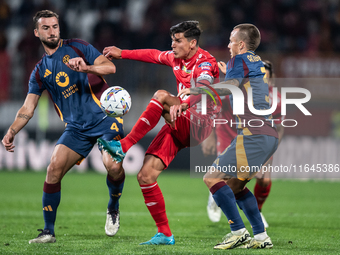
[154,200]
[147,121]
[261,194]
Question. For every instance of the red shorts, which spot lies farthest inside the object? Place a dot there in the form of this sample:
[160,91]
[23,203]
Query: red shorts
[190,130]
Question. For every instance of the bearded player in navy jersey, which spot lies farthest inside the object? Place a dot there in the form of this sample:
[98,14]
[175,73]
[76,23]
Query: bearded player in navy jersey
[250,149]
[70,71]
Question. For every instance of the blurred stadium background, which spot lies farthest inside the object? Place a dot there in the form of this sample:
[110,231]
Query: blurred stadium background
[300,37]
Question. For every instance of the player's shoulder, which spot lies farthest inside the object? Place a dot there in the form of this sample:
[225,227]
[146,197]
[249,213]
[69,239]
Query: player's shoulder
[205,56]
[39,64]
[248,58]
[74,42]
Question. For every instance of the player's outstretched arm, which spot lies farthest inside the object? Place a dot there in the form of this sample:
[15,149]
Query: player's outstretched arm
[24,114]
[218,87]
[112,52]
[101,66]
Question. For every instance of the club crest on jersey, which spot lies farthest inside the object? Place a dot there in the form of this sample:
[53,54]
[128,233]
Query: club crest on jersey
[62,79]
[66,58]
[184,68]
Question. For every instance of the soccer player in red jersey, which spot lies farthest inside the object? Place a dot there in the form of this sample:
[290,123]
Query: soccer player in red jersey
[192,66]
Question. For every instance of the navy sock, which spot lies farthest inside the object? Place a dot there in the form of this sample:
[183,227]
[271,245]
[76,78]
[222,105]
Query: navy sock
[115,190]
[225,199]
[247,203]
[50,202]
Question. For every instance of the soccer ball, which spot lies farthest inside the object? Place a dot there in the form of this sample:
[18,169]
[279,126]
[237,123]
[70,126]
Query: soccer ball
[115,101]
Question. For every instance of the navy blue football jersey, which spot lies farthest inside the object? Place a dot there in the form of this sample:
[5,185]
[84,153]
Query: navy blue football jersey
[74,94]
[248,69]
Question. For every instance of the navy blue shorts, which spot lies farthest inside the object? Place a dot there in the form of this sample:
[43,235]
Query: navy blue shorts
[82,141]
[245,156]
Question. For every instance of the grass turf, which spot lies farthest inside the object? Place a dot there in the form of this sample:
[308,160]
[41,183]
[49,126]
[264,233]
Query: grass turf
[303,216]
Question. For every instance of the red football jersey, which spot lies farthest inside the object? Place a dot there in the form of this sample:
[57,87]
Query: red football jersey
[202,66]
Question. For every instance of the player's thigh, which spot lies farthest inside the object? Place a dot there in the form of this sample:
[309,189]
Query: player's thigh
[62,160]
[151,169]
[165,146]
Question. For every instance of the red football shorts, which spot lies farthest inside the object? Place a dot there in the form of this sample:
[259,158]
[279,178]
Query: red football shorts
[190,130]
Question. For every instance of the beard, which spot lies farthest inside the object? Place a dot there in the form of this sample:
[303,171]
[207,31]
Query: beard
[51,44]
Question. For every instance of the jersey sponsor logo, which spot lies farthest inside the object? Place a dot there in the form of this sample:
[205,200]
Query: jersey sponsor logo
[69,91]
[62,79]
[204,64]
[176,68]
[66,58]
[47,73]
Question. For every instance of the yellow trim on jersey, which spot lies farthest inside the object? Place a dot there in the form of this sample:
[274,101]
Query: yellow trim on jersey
[94,96]
[250,52]
[60,114]
[239,122]
[246,131]
[247,86]
[241,158]
[61,42]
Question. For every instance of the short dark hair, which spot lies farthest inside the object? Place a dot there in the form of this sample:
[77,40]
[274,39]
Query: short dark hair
[43,14]
[269,66]
[250,34]
[190,29]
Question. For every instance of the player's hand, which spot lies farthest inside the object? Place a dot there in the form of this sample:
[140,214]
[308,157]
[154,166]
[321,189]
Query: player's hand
[112,52]
[176,111]
[209,145]
[222,66]
[7,141]
[77,64]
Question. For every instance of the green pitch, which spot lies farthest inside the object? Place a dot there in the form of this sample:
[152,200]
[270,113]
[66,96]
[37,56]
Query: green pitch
[303,217]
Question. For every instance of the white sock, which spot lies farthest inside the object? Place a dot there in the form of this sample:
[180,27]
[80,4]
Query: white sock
[238,232]
[261,236]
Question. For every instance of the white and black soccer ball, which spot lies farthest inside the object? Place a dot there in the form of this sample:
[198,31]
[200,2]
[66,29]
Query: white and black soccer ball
[115,101]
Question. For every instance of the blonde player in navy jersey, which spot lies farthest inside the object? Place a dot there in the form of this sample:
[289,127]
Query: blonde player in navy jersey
[71,72]
[250,149]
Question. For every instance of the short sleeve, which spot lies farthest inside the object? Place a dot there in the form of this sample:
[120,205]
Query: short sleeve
[35,85]
[91,53]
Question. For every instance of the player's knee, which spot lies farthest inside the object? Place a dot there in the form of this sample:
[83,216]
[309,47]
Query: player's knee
[54,174]
[144,177]
[263,182]
[114,170]
[209,181]
[236,185]
[161,95]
